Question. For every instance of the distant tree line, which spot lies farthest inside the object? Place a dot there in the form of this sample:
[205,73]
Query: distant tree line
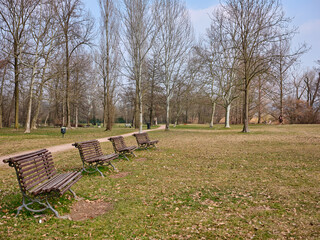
[142,64]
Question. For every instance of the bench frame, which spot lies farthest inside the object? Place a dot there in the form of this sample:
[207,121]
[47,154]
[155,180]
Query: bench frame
[39,180]
[92,156]
[121,148]
[144,142]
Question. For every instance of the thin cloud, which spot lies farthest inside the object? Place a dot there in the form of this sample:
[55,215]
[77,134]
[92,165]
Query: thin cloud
[201,19]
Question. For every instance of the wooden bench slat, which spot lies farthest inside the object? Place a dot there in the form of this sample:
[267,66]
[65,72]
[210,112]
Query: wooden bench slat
[143,140]
[26,175]
[32,182]
[36,168]
[24,163]
[120,147]
[39,188]
[53,182]
[68,179]
[91,154]
[27,157]
[37,175]
[66,188]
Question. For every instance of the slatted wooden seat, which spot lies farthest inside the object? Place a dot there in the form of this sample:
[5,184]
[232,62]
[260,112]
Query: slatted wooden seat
[92,156]
[38,179]
[143,140]
[121,148]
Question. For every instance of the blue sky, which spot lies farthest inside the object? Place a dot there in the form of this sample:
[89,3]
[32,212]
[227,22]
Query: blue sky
[306,14]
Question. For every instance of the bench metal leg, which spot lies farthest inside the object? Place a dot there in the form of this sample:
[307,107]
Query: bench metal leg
[52,209]
[125,157]
[75,196]
[114,168]
[25,205]
[32,201]
[96,169]
[73,193]
[99,171]
[85,168]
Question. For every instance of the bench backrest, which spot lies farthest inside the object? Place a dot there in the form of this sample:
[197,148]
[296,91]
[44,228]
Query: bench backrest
[142,138]
[118,143]
[89,150]
[32,168]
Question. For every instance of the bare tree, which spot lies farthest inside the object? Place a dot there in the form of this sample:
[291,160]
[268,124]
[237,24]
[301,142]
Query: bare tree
[175,37]
[208,54]
[153,86]
[186,82]
[47,57]
[304,104]
[43,36]
[284,59]
[312,83]
[139,34]
[14,17]
[83,81]
[76,30]
[253,26]
[3,71]
[228,83]
[109,60]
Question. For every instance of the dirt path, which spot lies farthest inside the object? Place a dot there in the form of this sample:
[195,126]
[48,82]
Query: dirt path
[68,146]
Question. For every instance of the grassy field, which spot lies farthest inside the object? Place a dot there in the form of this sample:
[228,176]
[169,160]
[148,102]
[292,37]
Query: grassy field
[12,141]
[200,184]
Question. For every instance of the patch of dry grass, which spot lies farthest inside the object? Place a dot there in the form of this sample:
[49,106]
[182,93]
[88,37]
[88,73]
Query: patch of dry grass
[200,183]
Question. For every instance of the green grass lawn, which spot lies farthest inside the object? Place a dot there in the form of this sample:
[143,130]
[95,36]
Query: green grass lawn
[200,183]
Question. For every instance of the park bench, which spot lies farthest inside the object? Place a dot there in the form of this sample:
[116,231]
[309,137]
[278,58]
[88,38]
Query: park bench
[120,147]
[39,180]
[143,140]
[92,156]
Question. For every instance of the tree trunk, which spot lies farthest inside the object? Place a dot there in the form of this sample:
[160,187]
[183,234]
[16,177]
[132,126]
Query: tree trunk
[259,101]
[179,110]
[167,114]
[108,84]
[46,120]
[8,117]
[281,80]
[151,115]
[16,85]
[37,111]
[227,116]
[77,115]
[28,121]
[187,110]
[140,98]
[68,112]
[151,101]
[167,100]
[212,113]
[109,112]
[1,95]
[136,110]
[246,111]
[105,103]
[63,114]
